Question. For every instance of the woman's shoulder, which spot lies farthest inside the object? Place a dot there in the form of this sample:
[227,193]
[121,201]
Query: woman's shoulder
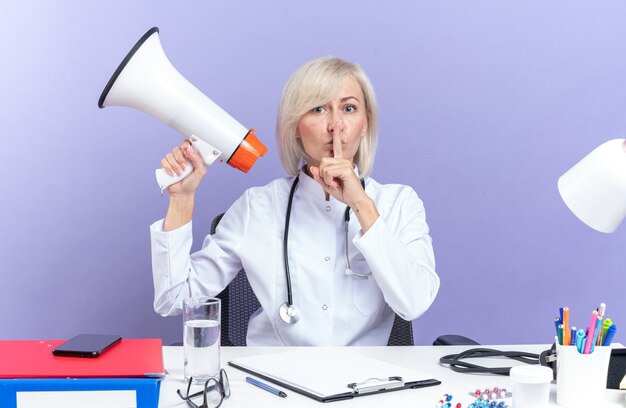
[270,191]
[278,183]
[390,197]
[262,201]
[392,189]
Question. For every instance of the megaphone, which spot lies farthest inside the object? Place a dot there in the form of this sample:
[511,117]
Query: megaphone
[146,80]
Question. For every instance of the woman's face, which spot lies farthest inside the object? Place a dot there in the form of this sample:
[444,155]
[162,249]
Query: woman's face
[345,115]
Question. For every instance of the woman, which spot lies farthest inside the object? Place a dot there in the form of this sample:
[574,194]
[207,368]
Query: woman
[345,286]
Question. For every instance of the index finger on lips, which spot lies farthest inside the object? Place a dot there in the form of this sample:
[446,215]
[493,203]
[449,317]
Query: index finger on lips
[337,149]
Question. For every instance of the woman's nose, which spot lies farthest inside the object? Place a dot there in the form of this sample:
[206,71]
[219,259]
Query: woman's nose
[335,125]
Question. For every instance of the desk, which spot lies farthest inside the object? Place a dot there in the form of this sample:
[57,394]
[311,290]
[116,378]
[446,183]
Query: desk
[420,358]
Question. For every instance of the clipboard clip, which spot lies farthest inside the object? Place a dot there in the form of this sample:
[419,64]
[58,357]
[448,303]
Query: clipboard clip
[376,385]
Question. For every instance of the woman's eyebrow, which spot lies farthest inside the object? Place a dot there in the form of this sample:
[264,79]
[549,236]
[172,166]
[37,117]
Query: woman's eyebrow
[349,97]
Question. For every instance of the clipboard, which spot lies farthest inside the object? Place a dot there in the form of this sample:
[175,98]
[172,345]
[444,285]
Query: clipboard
[328,375]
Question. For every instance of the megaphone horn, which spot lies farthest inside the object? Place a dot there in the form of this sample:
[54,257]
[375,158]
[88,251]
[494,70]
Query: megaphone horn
[146,80]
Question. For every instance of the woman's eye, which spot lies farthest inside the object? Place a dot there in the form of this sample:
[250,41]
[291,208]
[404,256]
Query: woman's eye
[319,109]
[350,108]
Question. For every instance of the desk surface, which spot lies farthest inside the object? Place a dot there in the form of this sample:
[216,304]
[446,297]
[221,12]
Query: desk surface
[421,358]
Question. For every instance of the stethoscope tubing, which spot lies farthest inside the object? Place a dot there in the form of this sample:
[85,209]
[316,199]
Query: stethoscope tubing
[289,304]
[286,241]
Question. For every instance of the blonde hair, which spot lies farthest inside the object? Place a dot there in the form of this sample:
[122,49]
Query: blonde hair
[314,84]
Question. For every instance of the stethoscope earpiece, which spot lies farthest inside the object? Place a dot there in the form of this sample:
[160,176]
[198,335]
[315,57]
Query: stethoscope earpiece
[289,314]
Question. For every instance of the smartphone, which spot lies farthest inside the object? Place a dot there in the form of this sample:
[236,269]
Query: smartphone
[86,345]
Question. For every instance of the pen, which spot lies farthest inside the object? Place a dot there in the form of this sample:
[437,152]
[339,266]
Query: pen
[580,340]
[590,333]
[610,333]
[607,323]
[557,321]
[266,387]
[601,311]
[595,335]
[566,332]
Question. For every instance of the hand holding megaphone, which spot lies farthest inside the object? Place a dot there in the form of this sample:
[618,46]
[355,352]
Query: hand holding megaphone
[146,80]
[185,161]
[206,152]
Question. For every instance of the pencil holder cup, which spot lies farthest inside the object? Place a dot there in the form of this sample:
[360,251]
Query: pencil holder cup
[581,378]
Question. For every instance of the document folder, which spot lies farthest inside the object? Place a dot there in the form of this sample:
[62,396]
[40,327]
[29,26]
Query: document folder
[34,359]
[80,393]
[328,375]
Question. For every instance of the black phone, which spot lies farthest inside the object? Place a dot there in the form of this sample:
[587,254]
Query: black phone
[86,345]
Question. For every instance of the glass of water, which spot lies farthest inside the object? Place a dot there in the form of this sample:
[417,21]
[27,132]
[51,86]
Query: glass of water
[201,338]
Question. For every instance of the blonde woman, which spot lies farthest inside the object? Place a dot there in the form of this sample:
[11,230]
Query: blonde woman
[318,282]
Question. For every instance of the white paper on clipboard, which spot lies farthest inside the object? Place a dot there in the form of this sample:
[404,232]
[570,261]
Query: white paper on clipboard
[324,374]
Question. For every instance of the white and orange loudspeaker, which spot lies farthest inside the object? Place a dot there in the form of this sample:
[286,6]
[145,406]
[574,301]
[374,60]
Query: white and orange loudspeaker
[146,80]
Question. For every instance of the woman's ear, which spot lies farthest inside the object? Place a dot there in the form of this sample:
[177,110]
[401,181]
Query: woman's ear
[365,125]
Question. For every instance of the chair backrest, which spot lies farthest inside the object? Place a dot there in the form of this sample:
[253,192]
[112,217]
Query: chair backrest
[239,303]
[401,333]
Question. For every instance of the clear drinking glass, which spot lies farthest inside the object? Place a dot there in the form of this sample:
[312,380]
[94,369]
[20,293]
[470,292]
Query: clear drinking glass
[201,338]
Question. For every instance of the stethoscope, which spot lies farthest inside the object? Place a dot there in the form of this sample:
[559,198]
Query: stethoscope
[288,312]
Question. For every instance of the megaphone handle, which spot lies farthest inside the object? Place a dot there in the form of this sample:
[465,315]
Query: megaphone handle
[207,152]
[164,179]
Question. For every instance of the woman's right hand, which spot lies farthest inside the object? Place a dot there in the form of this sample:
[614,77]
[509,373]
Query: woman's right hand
[174,163]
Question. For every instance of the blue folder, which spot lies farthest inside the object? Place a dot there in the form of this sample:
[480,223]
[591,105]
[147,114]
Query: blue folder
[146,389]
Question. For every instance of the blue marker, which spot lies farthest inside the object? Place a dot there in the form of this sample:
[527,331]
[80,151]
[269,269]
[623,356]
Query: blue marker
[580,340]
[557,321]
[610,333]
[266,387]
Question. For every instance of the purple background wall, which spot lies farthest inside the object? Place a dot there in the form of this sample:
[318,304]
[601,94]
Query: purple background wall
[484,105]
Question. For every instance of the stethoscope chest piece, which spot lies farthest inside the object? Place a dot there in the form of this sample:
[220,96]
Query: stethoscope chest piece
[289,313]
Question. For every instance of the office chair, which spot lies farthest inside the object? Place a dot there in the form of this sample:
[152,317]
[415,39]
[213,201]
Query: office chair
[239,302]
[454,340]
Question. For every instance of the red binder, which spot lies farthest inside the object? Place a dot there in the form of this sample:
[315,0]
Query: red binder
[34,359]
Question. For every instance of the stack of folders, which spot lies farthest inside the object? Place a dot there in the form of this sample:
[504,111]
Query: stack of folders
[127,375]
